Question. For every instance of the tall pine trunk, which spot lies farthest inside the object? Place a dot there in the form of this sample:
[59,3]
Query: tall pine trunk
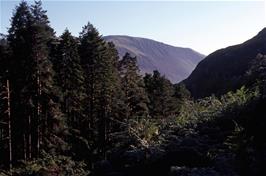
[9,124]
[29,138]
[38,111]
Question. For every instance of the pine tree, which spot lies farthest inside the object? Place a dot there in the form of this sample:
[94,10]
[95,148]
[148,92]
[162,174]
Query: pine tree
[20,45]
[48,117]
[71,79]
[8,112]
[5,109]
[133,87]
[181,94]
[100,83]
[36,115]
[117,101]
[5,122]
[181,91]
[90,42]
[161,94]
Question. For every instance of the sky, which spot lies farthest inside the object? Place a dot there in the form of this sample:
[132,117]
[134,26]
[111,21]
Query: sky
[204,26]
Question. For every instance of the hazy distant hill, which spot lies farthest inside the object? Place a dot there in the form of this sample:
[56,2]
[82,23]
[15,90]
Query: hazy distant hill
[223,70]
[175,63]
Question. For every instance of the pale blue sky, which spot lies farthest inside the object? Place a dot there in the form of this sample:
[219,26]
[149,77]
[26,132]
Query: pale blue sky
[201,25]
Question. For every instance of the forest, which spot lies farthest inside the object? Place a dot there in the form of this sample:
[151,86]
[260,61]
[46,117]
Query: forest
[70,106]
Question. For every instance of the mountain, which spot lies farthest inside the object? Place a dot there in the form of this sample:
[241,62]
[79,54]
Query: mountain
[223,70]
[175,63]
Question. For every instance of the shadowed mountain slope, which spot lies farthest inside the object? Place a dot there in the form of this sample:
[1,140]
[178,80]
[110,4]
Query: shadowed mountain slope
[223,70]
[175,63]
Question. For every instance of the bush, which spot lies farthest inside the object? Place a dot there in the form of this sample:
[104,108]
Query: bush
[51,165]
[212,107]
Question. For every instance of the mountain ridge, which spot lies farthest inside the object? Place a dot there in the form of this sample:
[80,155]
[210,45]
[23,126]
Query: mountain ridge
[129,36]
[176,63]
[223,70]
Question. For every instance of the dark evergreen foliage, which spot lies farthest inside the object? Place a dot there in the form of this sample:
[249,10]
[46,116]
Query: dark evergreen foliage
[20,44]
[4,119]
[70,79]
[161,94]
[98,60]
[34,112]
[136,100]
[49,118]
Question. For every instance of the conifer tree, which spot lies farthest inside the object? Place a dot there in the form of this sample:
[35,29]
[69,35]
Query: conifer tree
[36,116]
[117,101]
[181,95]
[101,83]
[133,86]
[20,45]
[181,92]
[71,79]
[161,94]
[89,53]
[48,117]
[5,109]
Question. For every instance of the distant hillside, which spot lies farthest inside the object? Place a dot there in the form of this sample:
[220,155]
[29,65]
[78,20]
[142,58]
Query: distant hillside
[175,63]
[222,70]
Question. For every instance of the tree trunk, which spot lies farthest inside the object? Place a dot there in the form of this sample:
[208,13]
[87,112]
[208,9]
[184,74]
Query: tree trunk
[29,138]
[38,113]
[24,147]
[9,124]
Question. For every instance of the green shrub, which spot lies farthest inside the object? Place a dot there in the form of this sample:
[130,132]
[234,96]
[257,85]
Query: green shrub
[51,165]
[211,107]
